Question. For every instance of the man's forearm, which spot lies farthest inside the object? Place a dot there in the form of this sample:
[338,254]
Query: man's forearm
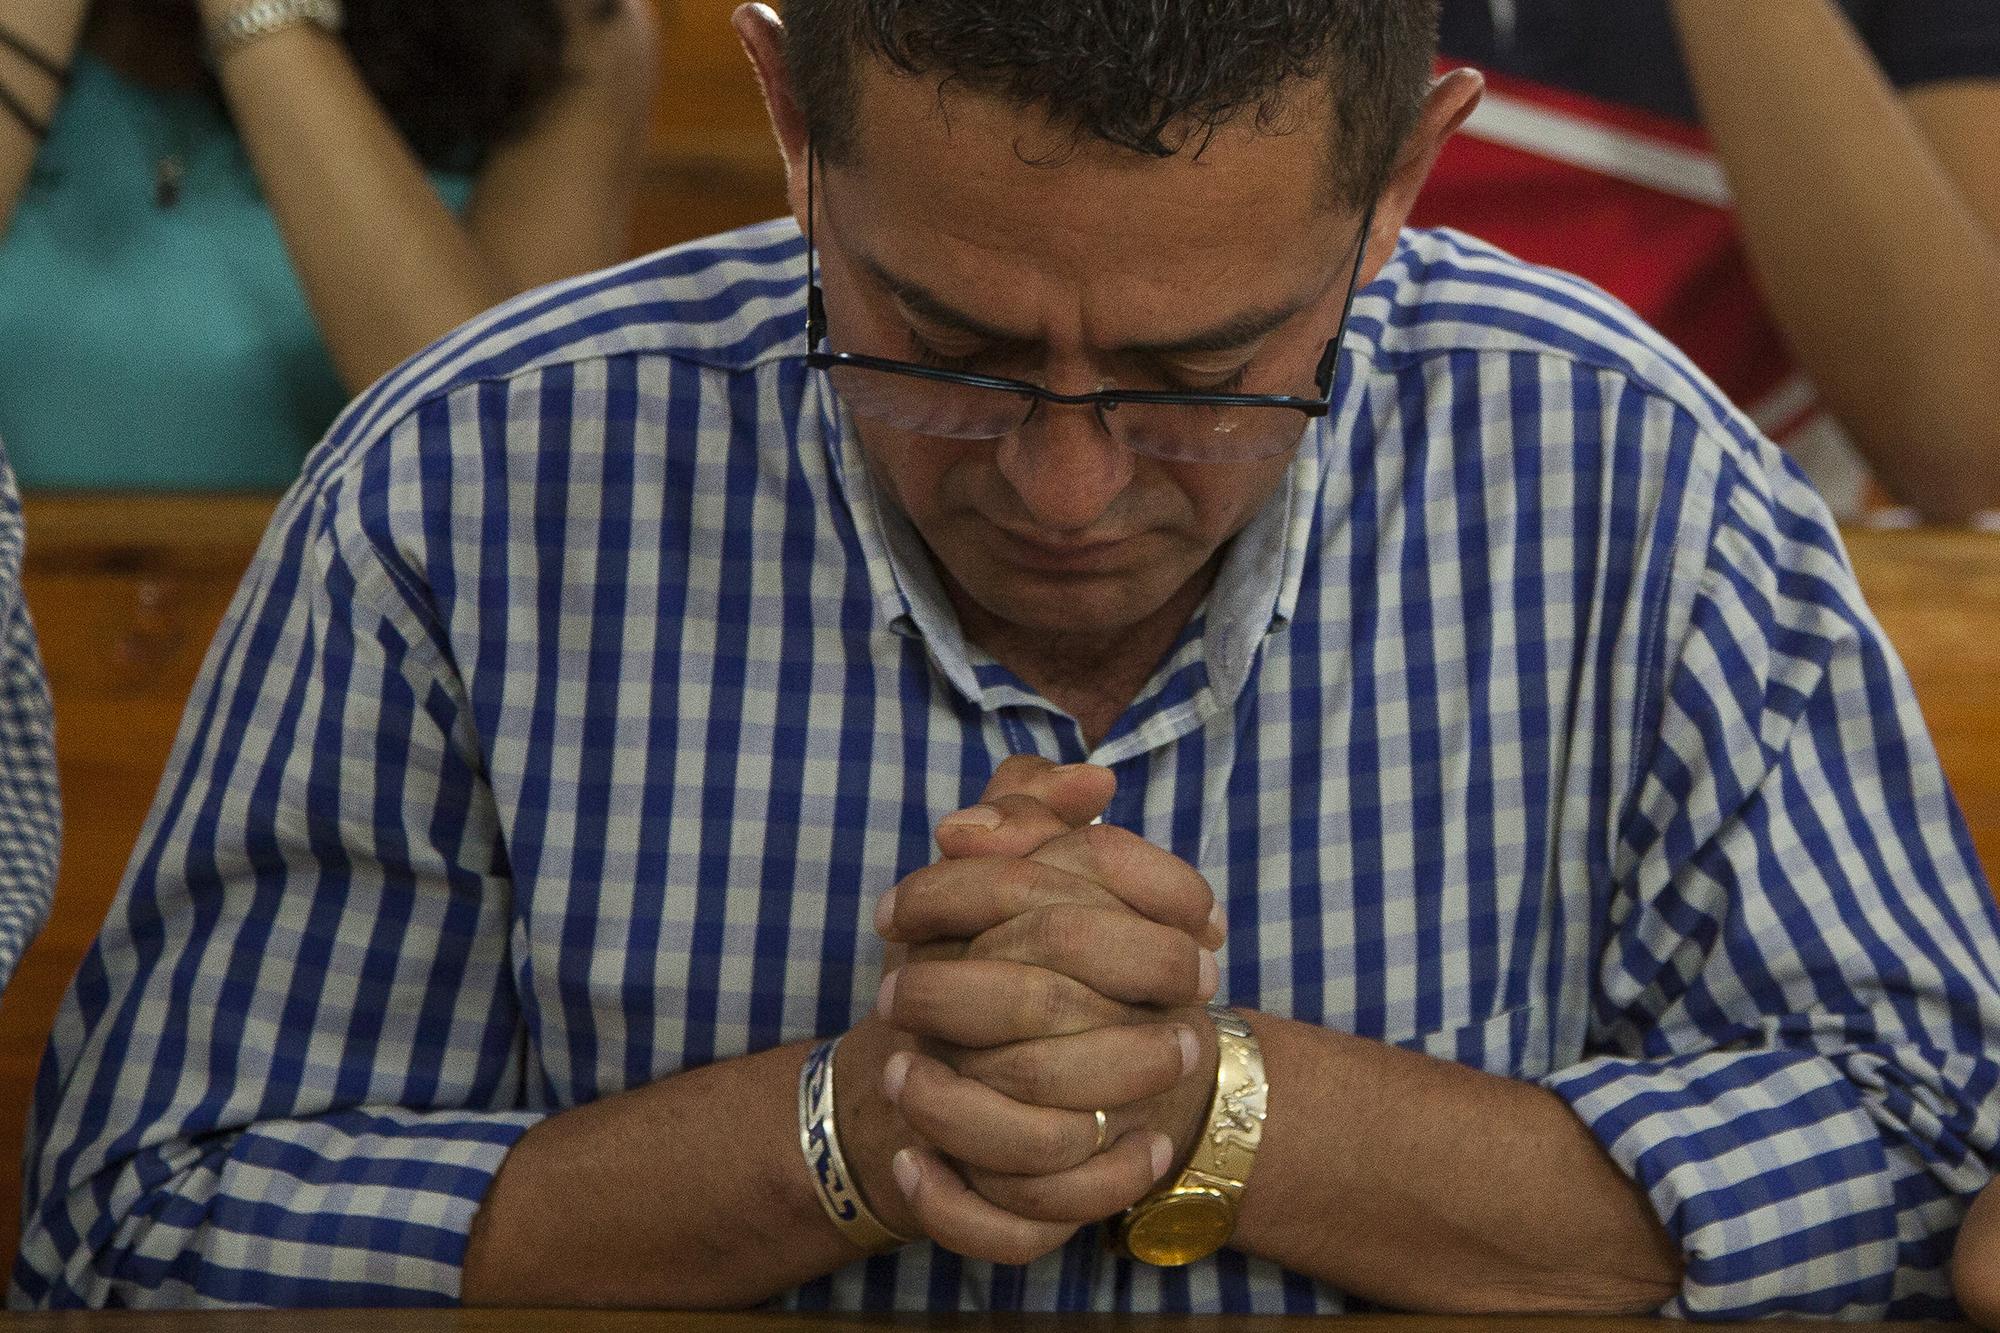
[689,1192]
[1374,1157]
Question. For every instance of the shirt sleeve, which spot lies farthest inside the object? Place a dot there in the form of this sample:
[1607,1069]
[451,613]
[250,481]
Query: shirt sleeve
[291,1065]
[1793,1044]
[1932,41]
[30,815]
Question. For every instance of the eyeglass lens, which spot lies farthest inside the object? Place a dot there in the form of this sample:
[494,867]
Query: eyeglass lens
[1173,432]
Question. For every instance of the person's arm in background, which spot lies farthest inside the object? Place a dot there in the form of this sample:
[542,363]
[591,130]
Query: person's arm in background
[1975,1261]
[385,265]
[49,28]
[1873,222]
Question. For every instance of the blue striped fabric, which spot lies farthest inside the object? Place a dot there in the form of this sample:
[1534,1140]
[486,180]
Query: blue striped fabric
[585,695]
[30,812]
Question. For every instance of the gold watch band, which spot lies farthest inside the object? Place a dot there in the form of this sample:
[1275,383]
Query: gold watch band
[1195,1215]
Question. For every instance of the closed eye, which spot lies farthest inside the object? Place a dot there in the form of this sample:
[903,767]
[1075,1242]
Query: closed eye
[981,360]
[1233,384]
[928,355]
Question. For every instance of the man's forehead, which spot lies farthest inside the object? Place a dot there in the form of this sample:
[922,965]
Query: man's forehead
[983,209]
[900,117]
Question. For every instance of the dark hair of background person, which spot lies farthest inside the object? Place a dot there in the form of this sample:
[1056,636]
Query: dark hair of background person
[1148,75]
[458,77]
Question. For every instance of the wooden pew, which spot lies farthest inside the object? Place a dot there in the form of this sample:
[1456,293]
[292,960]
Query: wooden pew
[711,164]
[1937,594]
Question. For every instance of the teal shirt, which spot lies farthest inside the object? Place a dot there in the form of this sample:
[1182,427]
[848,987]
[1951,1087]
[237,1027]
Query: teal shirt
[149,348]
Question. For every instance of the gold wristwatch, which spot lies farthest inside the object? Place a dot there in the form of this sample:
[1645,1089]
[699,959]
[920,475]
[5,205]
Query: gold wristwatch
[1194,1216]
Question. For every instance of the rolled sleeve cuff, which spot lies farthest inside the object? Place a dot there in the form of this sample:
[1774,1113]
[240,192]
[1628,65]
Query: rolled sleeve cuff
[1764,1166]
[355,1208]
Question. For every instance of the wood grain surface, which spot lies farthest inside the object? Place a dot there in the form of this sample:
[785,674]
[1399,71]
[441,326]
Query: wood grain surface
[577,1321]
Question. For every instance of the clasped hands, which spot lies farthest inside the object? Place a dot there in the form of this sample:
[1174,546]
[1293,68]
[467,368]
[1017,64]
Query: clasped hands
[1044,969]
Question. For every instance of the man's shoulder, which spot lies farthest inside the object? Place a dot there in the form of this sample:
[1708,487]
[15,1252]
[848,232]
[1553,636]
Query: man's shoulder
[729,302]
[1510,353]
[1448,294]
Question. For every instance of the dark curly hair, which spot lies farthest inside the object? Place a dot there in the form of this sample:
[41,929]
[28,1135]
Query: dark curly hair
[1149,75]
[460,76]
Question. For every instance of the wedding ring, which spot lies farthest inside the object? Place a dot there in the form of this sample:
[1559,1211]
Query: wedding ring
[1100,1133]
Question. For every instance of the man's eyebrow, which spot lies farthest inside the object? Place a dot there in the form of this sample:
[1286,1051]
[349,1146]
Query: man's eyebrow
[1237,331]
[925,304]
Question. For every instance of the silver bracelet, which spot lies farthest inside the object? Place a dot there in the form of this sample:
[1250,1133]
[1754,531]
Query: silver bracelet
[260,18]
[832,1182]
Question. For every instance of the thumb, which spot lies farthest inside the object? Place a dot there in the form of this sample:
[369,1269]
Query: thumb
[1029,803]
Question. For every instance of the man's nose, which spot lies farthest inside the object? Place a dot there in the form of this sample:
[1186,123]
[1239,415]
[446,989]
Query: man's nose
[1065,467]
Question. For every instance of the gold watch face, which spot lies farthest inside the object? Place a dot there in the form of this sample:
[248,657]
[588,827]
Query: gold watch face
[1179,1228]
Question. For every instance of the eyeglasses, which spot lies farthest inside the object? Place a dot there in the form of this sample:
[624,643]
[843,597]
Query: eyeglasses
[1177,427]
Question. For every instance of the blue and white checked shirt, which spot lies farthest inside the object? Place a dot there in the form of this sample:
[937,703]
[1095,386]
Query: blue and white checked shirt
[585,696]
[30,814]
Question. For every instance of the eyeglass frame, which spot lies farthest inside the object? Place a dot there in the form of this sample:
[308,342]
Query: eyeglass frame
[1103,399]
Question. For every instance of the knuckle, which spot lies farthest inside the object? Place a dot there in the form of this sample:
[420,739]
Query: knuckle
[1106,843]
[1135,1179]
[1051,928]
[1180,965]
[1032,1196]
[1013,1071]
[916,993]
[990,944]
[1036,1081]
[1039,1007]
[1014,884]
[916,903]
[1050,1141]
[1201,898]
[1015,772]
[1166,1071]
[1064,1009]
[936,951]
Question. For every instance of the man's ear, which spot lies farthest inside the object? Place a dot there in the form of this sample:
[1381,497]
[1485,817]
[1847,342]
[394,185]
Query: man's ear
[762,33]
[1452,98]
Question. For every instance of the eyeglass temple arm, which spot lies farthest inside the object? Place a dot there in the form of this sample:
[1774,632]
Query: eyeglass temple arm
[1331,359]
[815,302]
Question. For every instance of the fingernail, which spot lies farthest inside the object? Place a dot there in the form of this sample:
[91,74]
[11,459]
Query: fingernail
[885,999]
[908,1173]
[1190,1049]
[885,912]
[894,1070]
[1211,975]
[1215,917]
[1163,1155]
[976,816]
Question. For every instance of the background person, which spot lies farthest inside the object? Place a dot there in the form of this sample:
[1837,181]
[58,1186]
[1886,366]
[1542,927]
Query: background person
[30,813]
[211,238]
[1800,193]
